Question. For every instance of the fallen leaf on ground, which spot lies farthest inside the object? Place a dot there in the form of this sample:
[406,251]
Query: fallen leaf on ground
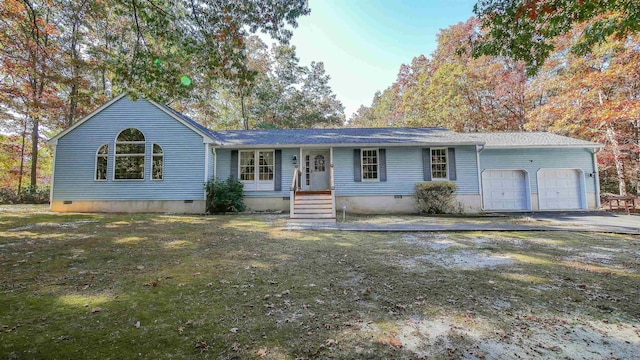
[96,309]
[137,324]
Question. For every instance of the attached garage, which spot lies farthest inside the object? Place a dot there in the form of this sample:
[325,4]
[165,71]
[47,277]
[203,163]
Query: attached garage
[560,189]
[505,190]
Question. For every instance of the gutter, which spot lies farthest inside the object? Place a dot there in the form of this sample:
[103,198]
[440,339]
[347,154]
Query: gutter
[479,149]
[594,156]
[551,146]
[347,145]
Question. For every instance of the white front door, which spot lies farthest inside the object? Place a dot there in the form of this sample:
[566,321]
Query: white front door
[316,170]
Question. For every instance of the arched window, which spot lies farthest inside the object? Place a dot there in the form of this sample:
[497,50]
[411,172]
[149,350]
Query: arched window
[130,148]
[157,163]
[102,157]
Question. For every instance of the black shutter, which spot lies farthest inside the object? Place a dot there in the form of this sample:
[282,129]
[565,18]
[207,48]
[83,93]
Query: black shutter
[382,164]
[234,164]
[357,166]
[426,164]
[277,171]
[452,164]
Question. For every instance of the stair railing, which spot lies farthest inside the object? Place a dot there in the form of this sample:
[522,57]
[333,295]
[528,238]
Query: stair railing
[333,192]
[292,191]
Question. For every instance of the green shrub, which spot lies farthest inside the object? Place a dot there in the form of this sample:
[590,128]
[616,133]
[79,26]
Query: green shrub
[436,197]
[224,196]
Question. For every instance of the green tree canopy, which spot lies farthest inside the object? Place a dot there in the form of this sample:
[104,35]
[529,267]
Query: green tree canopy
[525,29]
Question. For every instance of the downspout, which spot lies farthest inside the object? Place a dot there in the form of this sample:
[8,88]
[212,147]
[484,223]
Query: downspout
[479,149]
[215,162]
[206,167]
[53,174]
[594,156]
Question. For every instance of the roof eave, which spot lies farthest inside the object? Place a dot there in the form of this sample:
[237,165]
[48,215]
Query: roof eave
[575,146]
[284,146]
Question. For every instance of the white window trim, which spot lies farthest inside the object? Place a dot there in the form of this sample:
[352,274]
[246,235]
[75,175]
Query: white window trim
[377,179]
[446,163]
[154,155]
[116,155]
[256,168]
[95,169]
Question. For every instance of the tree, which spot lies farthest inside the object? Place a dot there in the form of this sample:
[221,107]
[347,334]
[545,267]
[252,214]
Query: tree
[174,42]
[29,55]
[59,59]
[453,89]
[594,96]
[524,30]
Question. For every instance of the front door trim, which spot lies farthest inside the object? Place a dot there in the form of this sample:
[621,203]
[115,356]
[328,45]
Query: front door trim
[315,169]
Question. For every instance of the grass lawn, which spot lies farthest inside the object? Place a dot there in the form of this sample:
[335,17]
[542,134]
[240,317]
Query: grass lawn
[162,286]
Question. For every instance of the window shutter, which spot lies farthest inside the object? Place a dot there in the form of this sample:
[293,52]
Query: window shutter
[426,163]
[357,166]
[382,164]
[277,176]
[451,159]
[234,164]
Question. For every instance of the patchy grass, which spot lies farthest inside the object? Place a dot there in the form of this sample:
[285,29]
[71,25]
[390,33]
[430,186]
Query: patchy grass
[169,286]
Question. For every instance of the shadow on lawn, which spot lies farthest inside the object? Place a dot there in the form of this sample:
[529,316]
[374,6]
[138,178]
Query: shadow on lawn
[238,287]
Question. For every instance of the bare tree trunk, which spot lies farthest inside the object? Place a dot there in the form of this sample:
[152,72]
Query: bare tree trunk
[34,153]
[24,135]
[617,159]
[245,121]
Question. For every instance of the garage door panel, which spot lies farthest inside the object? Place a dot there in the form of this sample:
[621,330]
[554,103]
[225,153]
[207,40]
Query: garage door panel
[504,190]
[559,189]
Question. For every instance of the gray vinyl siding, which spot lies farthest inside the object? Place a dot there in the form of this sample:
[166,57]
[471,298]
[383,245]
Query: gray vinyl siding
[212,160]
[532,160]
[224,170]
[183,156]
[404,170]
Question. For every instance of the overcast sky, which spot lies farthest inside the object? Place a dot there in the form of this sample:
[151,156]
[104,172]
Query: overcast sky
[363,42]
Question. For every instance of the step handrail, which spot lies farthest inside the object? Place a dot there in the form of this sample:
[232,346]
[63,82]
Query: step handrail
[292,191]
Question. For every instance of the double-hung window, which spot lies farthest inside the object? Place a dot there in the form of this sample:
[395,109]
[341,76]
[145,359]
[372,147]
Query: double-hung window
[157,163]
[370,164]
[102,160]
[439,164]
[256,169]
[130,151]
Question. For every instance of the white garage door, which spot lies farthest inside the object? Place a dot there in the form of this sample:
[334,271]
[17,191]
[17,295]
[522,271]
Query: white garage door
[559,189]
[504,190]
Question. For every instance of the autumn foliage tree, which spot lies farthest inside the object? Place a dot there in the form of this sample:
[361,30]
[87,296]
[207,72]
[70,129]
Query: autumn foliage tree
[593,95]
[60,59]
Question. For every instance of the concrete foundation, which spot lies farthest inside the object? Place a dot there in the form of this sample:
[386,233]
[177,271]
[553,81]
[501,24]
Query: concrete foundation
[130,206]
[266,203]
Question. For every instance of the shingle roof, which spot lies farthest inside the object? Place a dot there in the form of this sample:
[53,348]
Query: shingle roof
[432,136]
[343,136]
[528,139]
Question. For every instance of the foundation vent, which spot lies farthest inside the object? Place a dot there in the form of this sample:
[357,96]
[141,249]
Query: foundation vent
[67,202]
[188,201]
[397,196]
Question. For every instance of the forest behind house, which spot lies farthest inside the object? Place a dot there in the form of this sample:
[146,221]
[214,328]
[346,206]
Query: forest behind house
[61,59]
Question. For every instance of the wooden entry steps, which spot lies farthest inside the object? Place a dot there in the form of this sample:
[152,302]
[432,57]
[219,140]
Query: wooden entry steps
[313,206]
